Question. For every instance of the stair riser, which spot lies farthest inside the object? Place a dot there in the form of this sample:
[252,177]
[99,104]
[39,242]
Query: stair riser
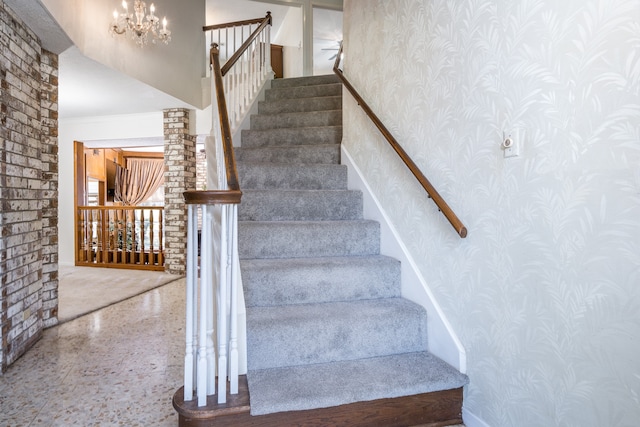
[300,105]
[319,280]
[296,120]
[305,81]
[269,205]
[333,332]
[313,154]
[303,92]
[439,408]
[260,176]
[308,239]
[292,136]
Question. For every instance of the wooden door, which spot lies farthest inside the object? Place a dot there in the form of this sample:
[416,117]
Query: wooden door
[277,61]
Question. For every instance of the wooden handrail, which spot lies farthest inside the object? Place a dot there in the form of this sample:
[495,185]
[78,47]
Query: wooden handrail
[232,195]
[431,191]
[225,129]
[212,197]
[234,58]
[234,24]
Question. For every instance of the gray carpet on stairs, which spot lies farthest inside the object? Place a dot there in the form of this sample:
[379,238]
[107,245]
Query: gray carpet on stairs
[326,324]
[331,384]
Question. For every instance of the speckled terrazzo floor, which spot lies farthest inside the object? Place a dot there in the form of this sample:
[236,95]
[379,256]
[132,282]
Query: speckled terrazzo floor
[118,366]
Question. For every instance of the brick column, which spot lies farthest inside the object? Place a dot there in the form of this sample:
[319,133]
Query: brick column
[49,157]
[179,176]
[21,289]
[201,170]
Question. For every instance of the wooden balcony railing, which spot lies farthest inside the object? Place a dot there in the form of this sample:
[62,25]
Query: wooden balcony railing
[431,191]
[120,237]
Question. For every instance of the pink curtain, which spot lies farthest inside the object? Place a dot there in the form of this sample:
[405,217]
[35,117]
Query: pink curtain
[138,181]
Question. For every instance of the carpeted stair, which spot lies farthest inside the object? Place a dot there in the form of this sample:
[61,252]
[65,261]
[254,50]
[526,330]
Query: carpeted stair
[326,324]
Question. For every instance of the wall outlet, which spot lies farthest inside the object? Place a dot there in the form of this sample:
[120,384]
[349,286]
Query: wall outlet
[511,144]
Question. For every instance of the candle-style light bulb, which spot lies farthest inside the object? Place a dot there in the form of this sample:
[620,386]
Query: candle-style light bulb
[124,4]
[152,8]
[164,23]
[115,15]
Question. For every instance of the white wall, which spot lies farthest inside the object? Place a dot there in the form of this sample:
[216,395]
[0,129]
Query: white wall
[175,68]
[544,292]
[290,37]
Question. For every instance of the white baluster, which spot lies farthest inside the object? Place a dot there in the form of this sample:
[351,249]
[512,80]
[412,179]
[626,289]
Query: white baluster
[233,338]
[205,257]
[192,277]
[222,310]
[208,280]
[268,32]
[226,45]
[263,57]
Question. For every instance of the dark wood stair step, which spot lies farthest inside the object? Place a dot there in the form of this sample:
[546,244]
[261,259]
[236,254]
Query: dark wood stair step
[436,409]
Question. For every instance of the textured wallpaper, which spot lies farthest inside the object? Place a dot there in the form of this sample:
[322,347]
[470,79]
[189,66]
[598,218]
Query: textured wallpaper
[545,291]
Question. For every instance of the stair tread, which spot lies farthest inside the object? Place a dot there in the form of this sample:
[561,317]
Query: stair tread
[313,176]
[296,204]
[308,91]
[304,119]
[297,136]
[288,239]
[283,281]
[304,81]
[301,334]
[292,105]
[332,384]
[323,154]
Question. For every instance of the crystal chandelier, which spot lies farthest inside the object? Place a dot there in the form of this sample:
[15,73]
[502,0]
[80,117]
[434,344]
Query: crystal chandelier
[137,27]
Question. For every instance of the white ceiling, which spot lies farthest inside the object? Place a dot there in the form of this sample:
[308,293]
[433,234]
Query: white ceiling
[88,88]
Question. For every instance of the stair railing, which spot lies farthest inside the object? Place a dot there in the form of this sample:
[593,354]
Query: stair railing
[120,236]
[212,301]
[431,191]
[245,46]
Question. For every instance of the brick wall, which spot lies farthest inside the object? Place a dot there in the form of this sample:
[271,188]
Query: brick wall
[179,176]
[49,157]
[28,187]
[201,170]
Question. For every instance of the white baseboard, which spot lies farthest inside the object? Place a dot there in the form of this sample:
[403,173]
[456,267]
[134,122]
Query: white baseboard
[472,420]
[443,341]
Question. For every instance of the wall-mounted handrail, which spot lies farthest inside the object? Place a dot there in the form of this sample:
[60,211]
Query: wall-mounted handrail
[431,191]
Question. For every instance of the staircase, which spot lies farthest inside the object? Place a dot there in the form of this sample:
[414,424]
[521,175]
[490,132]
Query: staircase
[330,339]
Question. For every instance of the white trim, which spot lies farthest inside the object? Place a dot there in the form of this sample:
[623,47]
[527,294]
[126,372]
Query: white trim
[442,339]
[472,420]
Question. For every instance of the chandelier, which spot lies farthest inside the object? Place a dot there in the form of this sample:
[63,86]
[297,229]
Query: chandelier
[137,27]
